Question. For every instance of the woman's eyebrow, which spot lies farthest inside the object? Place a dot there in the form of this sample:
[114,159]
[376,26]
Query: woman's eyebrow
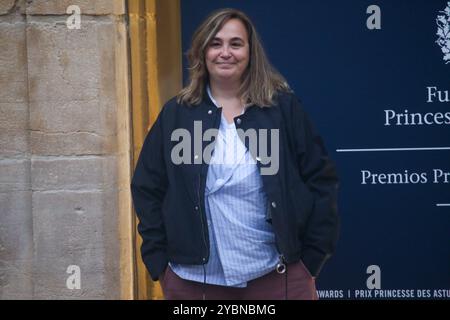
[232,39]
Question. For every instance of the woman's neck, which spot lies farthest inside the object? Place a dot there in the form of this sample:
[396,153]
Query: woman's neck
[227,96]
[224,91]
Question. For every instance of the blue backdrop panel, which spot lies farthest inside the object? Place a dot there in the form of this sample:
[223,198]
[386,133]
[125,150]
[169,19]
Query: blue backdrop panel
[361,86]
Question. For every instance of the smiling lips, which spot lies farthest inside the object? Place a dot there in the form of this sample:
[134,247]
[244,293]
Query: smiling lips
[225,64]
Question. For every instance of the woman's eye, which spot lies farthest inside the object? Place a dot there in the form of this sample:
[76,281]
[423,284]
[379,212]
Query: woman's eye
[215,44]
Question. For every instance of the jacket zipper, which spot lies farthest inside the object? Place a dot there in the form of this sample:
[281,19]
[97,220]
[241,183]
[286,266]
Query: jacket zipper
[202,221]
[281,265]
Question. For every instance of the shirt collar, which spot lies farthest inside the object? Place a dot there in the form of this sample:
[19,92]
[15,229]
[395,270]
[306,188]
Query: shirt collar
[208,89]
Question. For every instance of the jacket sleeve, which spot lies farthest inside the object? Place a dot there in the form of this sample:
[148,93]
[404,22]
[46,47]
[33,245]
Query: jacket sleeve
[319,174]
[148,188]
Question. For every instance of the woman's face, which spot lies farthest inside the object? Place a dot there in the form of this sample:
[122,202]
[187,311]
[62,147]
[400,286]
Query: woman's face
[227,55]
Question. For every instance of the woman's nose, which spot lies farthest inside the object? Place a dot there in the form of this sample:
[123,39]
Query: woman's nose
[225,52]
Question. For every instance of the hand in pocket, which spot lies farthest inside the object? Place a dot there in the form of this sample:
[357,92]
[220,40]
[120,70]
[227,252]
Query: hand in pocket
[163,275]
[307,271]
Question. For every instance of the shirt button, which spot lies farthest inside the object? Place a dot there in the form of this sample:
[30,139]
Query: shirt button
[274,204]
[209,111]
[196,208]
[238,121]
[196,156]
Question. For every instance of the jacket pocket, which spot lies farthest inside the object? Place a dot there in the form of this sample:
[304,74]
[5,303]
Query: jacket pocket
[306,270]
[302,201]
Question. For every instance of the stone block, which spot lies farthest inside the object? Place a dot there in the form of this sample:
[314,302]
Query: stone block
[71,144]
[14,175]
[13,67]
[13,116]
[6,6]
[71,77]
[90,117]
[16,224]
[16,245]
[13,143]
[76,221]
[13,129]
[75,236]
[70,65]
[73,173]
[97,7]
[50,277]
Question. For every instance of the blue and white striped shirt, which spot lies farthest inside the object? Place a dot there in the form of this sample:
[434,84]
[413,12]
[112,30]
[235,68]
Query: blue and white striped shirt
[242,242]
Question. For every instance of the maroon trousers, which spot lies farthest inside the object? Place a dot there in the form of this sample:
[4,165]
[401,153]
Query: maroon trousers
[295,284]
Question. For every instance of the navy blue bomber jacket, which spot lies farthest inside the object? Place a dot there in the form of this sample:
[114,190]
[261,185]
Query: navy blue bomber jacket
[169,197]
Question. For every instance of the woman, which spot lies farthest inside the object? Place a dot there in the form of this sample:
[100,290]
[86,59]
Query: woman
[234,191]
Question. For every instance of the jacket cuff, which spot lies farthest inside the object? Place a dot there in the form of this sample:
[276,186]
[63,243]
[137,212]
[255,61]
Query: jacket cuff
[156,264]
[314,260]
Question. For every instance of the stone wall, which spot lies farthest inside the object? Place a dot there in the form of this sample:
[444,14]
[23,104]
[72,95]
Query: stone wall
[64,151]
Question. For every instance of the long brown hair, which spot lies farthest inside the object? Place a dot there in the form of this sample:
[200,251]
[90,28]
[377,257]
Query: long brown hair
[260,81]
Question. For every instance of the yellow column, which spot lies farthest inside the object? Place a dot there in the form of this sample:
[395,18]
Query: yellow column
[156,76]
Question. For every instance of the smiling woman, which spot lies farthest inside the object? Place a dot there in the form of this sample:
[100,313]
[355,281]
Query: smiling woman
[231,229]
[227,58]
[226,52]
[229,50]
